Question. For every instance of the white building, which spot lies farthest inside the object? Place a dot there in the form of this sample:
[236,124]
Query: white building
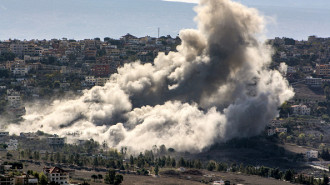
[12,144]
[101,81]
[313,82]
[90,80]
[220,182]
[301,109]
[20,70]
[14,100]
[57,175]
[312,154]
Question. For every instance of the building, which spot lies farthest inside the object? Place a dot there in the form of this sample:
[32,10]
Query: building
[312,154]
[323,69]
[14,100]
[300,110]
[57,175]
[55,141]
[4,134]
[276,123]
[279,130]
[12,144]
[220,182]
[291,69]
[24,179]
[29,135]
[313,82]
[271,131]
[101,69]
[7,180]
[90,80]
[101,81]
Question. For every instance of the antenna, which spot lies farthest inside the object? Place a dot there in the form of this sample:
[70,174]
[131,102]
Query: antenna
[158,31]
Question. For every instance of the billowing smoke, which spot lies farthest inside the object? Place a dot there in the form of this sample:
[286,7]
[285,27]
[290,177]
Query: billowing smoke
[216,87]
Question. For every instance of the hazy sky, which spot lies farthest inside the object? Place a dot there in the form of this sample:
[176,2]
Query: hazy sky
[79,19]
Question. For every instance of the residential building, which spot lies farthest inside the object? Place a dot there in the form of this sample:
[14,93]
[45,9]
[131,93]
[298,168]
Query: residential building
[279,130]
[101,81]
[56,140]
[90,80]
[101,70]
[24,180]
[312,154]
[7,180]
[57,175]
[2,134]
[300,110]
[271,131]
[291,70]
[313,82]
[323,69]
[12,144]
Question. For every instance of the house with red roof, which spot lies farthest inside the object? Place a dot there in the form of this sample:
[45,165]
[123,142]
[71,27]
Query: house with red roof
[57,175]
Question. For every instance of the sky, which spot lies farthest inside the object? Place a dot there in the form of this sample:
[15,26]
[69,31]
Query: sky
[80,19]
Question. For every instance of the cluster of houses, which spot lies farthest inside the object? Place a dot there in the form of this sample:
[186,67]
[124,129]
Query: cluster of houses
[314,53]
[91,60]
[11,142]
[275,127]
[55,175]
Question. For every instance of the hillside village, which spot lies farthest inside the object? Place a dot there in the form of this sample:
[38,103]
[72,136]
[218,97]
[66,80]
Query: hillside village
[44,69]
[38,69]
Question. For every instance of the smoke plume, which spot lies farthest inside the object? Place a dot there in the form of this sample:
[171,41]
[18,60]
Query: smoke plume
[217,86]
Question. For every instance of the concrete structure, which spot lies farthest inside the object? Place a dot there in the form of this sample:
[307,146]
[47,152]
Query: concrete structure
[57,175]
[300,110]
[101,81]
[56,140]
[90,80]
[279,130]
[313,82]
[312,154]
[101,70]
[291,69]
[2,134]
[323,69]
[12,144]
[7,180]
[271,132]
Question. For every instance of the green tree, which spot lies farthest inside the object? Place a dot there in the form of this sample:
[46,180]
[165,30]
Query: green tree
[325,180]
[302,138]
[156,169]
[131,160]
[42,179]
[173,162]
[211,166]
[94,177]
[118,179]
[282,136]
[95,161]
[289,175]
[110,178]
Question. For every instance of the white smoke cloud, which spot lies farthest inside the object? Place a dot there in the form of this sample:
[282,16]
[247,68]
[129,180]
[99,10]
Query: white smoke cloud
[216,87]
